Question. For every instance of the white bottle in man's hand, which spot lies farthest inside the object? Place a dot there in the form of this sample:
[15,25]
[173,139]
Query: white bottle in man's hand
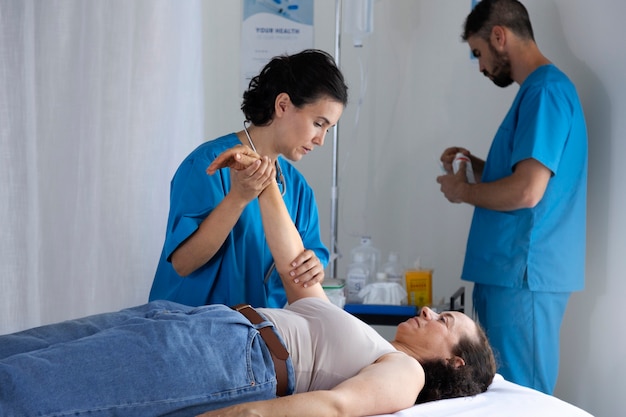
[469,172]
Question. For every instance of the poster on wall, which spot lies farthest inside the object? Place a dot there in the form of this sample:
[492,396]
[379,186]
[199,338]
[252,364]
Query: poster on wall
[472,57]
[270,28]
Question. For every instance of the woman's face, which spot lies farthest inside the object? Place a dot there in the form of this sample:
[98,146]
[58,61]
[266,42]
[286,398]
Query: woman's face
[299,130]
[432,335]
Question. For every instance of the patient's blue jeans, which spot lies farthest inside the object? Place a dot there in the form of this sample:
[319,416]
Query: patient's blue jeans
[159,359]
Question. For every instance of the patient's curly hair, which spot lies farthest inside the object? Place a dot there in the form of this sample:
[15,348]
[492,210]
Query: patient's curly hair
[445,380]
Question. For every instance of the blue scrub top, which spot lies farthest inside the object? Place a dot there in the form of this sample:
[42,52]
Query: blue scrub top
[546,242]
[237,272]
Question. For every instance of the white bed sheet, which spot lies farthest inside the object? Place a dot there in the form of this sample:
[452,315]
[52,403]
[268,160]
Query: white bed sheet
[503,398]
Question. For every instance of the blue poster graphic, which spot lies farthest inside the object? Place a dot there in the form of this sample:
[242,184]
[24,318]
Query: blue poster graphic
[472,57]
[271,28]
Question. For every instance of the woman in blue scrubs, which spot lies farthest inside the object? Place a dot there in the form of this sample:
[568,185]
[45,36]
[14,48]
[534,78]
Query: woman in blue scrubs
[215,249]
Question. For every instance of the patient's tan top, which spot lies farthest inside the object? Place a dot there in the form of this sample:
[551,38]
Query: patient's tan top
[327,345]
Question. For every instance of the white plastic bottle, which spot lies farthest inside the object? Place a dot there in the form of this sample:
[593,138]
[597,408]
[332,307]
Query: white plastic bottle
[469,171]
[371,256]
[394,269]
[357,278]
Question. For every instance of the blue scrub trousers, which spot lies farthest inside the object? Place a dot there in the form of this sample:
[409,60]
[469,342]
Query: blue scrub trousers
[523,328]
[161,358]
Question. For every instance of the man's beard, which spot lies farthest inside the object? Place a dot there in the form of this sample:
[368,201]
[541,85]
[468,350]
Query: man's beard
[501,75]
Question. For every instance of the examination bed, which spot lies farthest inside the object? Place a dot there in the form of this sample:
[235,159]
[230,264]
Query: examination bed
[503,398]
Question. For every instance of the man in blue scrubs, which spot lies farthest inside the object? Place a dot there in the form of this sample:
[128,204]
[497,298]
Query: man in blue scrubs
[526,246]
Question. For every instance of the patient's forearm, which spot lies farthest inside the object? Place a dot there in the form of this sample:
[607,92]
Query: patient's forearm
[313,404]
[282,236]
[285,243]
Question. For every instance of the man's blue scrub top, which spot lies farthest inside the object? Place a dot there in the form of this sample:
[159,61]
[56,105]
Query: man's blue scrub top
[546,242]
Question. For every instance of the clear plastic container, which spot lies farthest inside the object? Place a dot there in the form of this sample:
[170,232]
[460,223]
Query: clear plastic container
[370,255]
[357,277]
[335,290]
[394,269]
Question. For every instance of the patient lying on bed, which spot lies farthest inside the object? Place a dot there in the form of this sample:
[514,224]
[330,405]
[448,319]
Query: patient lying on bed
[311,358]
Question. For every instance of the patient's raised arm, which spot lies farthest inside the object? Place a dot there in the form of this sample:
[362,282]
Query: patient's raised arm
[282,236]
[285,243]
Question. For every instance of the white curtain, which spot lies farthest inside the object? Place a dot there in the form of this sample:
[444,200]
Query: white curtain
[99,103]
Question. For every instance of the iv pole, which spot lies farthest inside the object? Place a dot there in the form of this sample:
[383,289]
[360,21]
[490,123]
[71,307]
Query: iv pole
[334,203]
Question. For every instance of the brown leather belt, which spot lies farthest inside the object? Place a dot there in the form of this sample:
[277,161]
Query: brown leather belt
[278,351]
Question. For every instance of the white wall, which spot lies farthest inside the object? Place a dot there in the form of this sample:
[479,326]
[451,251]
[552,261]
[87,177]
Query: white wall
[423,93]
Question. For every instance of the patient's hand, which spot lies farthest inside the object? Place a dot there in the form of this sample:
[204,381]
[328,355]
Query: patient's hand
[250,173]
[238,158]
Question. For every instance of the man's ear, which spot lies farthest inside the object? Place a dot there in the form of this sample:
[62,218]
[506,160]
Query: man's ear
[456,361]
[498,37]
[281,104]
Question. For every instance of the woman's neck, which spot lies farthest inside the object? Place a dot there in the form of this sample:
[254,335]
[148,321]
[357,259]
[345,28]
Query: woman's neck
[256,138]
[401,347]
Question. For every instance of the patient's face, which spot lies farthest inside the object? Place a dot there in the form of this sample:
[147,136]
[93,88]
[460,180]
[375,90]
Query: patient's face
[433,335]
